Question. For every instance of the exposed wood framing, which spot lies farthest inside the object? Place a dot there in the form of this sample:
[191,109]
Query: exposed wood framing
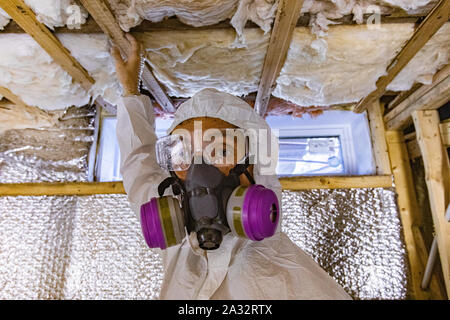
[408,207]
[86,188]
[336,182]
[5,92]
[413,145]
[445,133]
[377,134]
[433,99]
[430,96]
[430,25]
[27,20]
[173,23]
[280,39]
[60,188]
[437,175]
[413,148]
[92,156]
[402,96]
[104,17]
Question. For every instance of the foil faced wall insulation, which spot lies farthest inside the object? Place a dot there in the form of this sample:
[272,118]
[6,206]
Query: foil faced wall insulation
[57,153]
[91,247]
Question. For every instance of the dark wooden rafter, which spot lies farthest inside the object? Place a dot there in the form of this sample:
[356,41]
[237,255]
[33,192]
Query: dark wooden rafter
[5,92]
[106,20]
[172,24]
[426,97]
[430,25]
[286,19]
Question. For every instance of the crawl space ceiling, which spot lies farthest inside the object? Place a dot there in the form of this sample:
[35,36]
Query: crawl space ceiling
[327,63]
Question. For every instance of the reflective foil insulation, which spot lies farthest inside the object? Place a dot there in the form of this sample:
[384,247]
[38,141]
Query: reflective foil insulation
[91,247]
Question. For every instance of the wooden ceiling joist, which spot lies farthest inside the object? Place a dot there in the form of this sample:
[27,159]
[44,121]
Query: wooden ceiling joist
[427,97]
[27,20]
[5,92]
[430,25]
[89,188]
[437,176]
[106,20]
[287,16]
[173,23]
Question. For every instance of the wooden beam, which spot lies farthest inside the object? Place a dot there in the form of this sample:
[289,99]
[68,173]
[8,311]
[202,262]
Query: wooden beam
[27,20]
[336,182]
[87,188]
[280,39]
[433,99]
[445,133]
[377,134]
[413,145]
[106,20]
[402,96]
[11,97]
[415,95]
[413,149]
[430,25]
[174,24]
[408,207]
[60,188]
[437,175]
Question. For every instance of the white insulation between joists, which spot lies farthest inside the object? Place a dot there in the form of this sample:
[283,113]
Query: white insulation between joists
[53,13]
[56,13]
[339,68]
[30,73]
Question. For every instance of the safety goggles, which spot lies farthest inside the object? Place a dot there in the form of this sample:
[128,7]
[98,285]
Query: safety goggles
[219,147]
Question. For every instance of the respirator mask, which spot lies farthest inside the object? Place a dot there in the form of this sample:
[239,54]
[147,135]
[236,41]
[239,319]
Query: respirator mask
[209,202]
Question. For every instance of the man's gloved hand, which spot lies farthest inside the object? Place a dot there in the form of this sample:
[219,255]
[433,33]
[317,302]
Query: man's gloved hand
[128,72]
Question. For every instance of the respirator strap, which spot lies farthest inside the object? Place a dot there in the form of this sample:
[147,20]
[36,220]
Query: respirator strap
[243,169]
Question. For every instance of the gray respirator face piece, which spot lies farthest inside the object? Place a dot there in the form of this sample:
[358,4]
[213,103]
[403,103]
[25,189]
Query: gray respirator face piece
[208,190]
[211,204]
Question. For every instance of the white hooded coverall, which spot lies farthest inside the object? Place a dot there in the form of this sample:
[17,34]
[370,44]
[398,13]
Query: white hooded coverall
[274,268]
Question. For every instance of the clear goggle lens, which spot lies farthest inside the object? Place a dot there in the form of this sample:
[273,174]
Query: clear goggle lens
[177,152]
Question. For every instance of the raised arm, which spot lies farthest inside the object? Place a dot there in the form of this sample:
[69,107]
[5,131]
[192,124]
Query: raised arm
[136,132]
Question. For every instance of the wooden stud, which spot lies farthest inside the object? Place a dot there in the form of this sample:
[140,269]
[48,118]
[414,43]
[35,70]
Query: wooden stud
[445,133]
[408,208]
[60,188]
[280,39]
[86,188]
[11,97]
[104,17]
[419,92]
[430,25]
[27,20]
[377,134]
[413,149]
[173,23]
[432,100]
[437,175]
[336,182]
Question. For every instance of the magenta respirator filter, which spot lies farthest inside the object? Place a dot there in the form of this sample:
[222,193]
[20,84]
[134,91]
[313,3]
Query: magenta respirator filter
[253,212]
[162,222]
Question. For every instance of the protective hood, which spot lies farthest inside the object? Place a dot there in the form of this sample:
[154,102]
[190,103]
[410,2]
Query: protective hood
[215,104]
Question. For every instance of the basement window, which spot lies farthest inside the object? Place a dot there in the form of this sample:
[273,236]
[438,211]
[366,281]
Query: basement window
[334,143]
[310,156]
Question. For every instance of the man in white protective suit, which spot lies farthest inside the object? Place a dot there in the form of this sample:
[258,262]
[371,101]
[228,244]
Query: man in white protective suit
[240,268]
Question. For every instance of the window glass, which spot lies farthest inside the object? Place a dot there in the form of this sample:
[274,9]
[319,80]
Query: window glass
[310,156]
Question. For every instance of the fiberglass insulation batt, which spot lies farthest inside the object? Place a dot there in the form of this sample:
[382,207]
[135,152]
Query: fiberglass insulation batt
[29,72]
[341,67]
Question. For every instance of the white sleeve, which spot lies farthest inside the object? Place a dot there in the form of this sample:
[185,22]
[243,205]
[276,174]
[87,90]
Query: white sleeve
[136,136]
